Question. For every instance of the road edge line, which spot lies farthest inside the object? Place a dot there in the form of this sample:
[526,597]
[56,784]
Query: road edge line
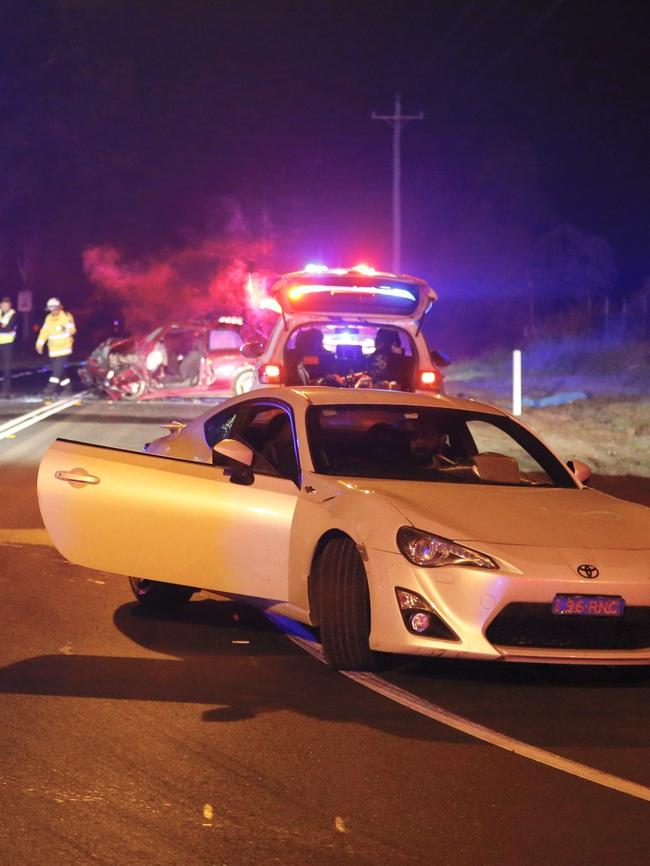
[22,422]
[480,732]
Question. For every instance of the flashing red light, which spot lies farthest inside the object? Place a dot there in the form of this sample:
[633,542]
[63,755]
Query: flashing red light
[428,377]
[271,374]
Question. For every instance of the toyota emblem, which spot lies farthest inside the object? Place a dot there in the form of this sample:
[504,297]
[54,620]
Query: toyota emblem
[588,571]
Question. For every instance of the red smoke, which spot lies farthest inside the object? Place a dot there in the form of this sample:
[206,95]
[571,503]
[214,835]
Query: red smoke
[214,277]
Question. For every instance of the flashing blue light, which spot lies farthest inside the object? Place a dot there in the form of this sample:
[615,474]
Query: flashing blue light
[316,269]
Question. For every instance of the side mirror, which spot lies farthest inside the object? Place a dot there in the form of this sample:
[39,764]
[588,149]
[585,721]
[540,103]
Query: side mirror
[174,426]
[238,459]
[252,350]
[581,471]
[440,359]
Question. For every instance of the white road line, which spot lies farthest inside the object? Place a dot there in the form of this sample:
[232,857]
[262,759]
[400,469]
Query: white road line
[479,732]
[10,428]
[31,414]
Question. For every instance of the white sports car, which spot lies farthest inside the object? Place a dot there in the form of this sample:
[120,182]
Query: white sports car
[394,522]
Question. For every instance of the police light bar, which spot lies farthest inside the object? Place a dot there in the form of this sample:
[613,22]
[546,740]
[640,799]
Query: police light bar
[313,268]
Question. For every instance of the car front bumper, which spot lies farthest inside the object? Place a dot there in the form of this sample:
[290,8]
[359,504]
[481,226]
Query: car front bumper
[470,600]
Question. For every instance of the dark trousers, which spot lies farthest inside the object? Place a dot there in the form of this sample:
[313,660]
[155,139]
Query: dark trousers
[59,378]
[6,354]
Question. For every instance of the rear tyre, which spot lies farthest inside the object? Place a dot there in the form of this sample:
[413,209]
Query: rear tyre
[344,607]
[154,595]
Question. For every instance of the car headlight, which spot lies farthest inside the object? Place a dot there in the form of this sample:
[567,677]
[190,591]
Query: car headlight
[431,551]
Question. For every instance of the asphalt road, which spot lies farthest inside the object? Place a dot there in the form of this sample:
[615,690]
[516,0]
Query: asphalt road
[212,738]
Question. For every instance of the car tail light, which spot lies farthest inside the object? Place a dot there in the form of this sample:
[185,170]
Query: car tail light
[428,378]
[271,374]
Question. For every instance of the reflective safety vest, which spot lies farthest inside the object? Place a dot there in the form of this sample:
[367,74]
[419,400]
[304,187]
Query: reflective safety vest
[7,327]
[58,332]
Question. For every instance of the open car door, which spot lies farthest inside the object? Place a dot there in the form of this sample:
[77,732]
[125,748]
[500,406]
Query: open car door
[165,519]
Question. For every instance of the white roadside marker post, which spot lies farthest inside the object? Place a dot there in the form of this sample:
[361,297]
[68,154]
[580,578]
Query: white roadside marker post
[516,382]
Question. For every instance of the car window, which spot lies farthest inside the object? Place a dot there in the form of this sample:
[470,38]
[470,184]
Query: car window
[340,354]
[221,339]
[268,430]
[219,426]
[347,340]
[429,444]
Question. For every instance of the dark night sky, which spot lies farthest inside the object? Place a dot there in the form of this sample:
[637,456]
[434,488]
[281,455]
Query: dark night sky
[143,124]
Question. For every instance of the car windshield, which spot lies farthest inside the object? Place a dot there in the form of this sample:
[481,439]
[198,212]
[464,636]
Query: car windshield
[429,444]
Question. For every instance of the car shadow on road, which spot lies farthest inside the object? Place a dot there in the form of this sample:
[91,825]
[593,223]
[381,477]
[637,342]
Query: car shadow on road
[227,659]
[231,661]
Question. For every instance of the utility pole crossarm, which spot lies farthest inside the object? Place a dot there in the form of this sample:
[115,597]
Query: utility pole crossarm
[402,119]
[397,120]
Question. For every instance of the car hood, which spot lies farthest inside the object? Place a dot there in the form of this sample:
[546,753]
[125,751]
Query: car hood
[532,516]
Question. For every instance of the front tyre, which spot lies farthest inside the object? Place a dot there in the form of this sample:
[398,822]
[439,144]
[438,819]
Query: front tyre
[154,595]
[344,607]
[243,382]
[128,386]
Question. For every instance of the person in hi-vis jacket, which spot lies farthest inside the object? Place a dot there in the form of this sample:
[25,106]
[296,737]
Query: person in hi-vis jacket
[7,339]
[58,332]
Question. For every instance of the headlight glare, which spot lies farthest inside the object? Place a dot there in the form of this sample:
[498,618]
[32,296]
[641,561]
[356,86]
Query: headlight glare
[432,551]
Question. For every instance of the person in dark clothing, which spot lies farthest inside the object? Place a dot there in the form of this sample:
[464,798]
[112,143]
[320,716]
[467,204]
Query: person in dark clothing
[312,361]
[190,367]
[7,340]
[385,362]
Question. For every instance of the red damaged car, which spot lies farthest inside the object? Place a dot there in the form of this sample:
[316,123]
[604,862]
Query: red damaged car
[184,359]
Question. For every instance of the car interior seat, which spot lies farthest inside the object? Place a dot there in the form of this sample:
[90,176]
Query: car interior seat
[279,449]
[309,360]
[190,366]
[387,361]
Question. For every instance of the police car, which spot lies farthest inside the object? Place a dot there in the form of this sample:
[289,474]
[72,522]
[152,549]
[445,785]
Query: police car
[349,327]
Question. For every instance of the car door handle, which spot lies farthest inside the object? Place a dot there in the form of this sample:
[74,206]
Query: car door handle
[78,476]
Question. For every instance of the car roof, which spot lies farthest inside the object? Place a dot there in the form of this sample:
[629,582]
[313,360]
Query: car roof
[322,395]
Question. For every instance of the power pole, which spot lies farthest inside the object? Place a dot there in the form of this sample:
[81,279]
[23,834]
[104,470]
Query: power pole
[397,121]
